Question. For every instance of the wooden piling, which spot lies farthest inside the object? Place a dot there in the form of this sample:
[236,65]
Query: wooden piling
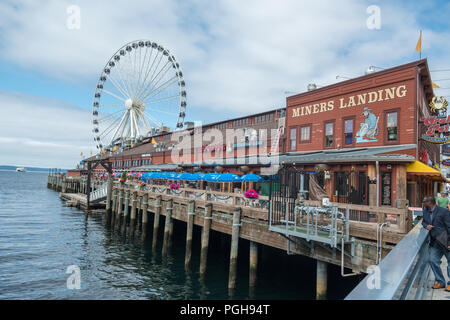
[321,280]
[119,209]
[156,221]
[126,211]
[234,250]
[205,238]
[133,212]
[169,242]
[144,215]
[138,213]
[168,222]
[113,208]
[109,192]
[189,231]
[253,264]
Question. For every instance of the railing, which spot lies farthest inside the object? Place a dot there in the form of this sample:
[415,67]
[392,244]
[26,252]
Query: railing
[99,193]
[402,275]
[399,219]
[236,199]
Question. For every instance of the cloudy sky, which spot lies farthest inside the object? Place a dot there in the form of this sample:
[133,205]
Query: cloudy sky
[238,57]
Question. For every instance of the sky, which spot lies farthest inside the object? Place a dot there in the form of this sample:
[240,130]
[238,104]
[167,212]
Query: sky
[238,58]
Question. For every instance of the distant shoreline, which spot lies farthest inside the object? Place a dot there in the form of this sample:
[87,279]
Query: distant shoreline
[28,171]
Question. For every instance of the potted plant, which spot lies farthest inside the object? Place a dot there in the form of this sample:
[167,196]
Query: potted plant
[141,184]
[252,196]
[174,186]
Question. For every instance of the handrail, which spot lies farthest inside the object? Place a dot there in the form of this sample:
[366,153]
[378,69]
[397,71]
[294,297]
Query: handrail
[235,199]
[402,275]
[398,218]
[99,193]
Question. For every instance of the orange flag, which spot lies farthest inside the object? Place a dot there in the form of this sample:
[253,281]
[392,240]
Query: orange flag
[419,44]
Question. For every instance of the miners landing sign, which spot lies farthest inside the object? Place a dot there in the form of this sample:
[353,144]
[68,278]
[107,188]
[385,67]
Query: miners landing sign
[436,129]
[351,101]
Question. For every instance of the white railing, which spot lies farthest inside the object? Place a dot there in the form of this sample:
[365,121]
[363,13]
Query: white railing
[99,193]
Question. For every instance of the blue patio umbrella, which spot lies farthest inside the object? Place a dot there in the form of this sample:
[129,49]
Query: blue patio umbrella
[164,175]
[185,176]
[227,177]
[211,177]
[151,175]
[201,176]
[251,178]
[146,175]
[172,175]
[194,177]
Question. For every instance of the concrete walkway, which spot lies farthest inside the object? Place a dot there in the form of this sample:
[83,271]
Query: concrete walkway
[441,294]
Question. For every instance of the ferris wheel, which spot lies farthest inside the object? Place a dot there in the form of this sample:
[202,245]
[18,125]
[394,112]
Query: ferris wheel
[140,92]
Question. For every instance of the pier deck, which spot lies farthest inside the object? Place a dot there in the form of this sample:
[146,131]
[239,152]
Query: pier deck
[133,210]
[441,294]
[79,200]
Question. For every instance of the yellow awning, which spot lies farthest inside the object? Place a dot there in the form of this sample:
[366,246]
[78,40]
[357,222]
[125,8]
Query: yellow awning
[420,168]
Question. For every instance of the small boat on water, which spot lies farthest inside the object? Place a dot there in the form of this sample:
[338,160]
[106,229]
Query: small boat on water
[21,169]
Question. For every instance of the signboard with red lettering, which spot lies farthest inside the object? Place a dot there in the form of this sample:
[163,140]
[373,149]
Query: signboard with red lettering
[446,149]
[437,129]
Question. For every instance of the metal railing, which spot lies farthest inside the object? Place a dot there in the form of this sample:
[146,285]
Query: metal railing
[402,275]
[99,193]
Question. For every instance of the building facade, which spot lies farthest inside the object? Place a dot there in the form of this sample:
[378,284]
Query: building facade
[361,140]
[362,137]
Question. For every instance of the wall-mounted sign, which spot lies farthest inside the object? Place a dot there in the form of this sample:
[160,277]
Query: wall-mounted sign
[438,105]
[436,128]
[446,162]
[247,144]
[369,128]
[446,149]
[145,155]
[214,147]
[362,99]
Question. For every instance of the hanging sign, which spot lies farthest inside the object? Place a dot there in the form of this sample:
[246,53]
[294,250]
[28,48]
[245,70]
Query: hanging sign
[446,149]
[438,105]
[437,127]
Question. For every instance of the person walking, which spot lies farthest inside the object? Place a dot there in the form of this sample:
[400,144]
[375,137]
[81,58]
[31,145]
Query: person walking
[443,201]
[436,220]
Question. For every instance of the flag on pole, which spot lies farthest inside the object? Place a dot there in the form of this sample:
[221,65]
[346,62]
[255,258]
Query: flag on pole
[434,85]
[419,44]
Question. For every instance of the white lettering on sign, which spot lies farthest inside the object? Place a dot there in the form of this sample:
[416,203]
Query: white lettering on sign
[352,101]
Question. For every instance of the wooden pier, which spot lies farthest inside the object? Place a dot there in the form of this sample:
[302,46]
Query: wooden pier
[129,207]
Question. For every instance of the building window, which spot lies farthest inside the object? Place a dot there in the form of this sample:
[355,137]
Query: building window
[391,124]
[329,134]
[293,138]
[263,118]
[305,133]
[240,122]
[348,131]
[221,126]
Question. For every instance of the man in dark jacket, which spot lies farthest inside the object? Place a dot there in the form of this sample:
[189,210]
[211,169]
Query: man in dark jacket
[437,220]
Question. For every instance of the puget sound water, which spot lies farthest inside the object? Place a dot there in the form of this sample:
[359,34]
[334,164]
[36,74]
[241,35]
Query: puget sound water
[40,238]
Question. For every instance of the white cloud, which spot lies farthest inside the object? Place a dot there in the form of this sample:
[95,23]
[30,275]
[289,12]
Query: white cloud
[42,132]
[238,56]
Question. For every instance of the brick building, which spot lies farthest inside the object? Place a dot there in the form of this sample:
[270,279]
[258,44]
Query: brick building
[362,137]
